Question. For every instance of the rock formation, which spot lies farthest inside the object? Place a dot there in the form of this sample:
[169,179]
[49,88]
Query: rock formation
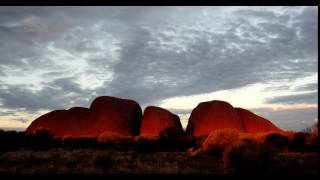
[105,114]
[254,123]
[212,115]
[209,116]
[159,121]
[117,115]
[124,117]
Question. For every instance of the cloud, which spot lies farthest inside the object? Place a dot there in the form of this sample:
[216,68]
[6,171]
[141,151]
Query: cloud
[308,87]
[57,57]
[294,119]
[209,61]
[307,98]
[57,94]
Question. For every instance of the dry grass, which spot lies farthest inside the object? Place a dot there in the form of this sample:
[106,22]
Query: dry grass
[222,152]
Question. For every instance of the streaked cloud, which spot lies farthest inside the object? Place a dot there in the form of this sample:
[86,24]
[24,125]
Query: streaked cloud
[58,57]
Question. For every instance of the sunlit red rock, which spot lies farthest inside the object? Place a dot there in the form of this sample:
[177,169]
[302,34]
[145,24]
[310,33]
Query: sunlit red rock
[124,117]
[159,121]
[105,114]
[212,115]
[63,122]
[209,116]
[115,115]
[254,123]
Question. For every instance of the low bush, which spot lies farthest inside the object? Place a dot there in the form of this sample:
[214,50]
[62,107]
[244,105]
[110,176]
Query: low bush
[79,142]
[40,139]
[172,133]
[219,140]
[277,141]
[242,156]
[104,162]
[113,137]
[298,142]
[10,140]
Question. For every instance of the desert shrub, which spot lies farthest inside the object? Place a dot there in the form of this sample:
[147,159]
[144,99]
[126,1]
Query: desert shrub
[146,142]
[79,142]
[290,134]
[299,142]
[273,141]
[314,137]
[148,137]
[196,147]
[315,130]
[172,133]
[113,137]
[57,141]
[104,162]
[193,151]
[176,145]
[10,140]
[201,139]
[242,156]
[219,140]
[41,138]
[277,141]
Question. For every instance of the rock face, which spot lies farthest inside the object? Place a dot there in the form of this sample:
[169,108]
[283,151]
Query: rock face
[122,116]
[105,114]
[113,114]
[63,122]
[158,121]
[254,123]
[209,116]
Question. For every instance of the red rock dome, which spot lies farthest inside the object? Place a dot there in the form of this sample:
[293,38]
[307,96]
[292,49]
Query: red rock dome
[105,114]
[115,115]
[123,116]
[212,115]
[254,123]
[63,122]
[157,120]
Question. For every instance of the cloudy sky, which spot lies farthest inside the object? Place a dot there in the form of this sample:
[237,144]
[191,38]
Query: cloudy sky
[261,58]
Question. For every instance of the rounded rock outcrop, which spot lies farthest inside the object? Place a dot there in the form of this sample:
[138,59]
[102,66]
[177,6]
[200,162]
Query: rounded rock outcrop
[158,121]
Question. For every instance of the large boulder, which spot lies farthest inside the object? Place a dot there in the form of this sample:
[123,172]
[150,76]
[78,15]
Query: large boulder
[106,114]
[158,121]
[254,123]
[73,122]
[112,114]
[212,115]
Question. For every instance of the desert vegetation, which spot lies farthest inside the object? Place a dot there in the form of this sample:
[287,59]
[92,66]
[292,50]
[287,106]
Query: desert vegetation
[223,151]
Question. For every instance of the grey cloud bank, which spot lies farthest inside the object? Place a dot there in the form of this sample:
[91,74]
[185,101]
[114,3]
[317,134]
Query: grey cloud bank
[58,57]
